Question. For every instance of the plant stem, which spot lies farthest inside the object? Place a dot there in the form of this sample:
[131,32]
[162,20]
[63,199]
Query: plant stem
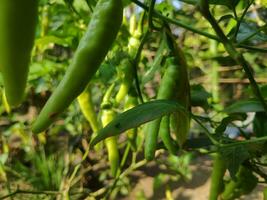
[18,191]
[209,135]
[176,22]
[192,29]
[241,18]
[150,15]
[248,47]
[251,141]
[229,47]
[135,64]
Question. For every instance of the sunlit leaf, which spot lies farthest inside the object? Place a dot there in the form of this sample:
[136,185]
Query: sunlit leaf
[136,116]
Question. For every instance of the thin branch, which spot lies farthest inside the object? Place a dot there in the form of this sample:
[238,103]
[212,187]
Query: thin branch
[229,47]
[135,64]
[18,191]
[176,22]
[241,18]
[194,30]
[252,48]
[206,131]
[150,15]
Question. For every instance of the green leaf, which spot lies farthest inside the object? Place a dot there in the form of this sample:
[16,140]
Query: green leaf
[105,72]
[244,183]
[225,60]
[136,116]
[244,106]
[199,96]
[250,32]
[46,40]
[3,158]
[226,18]
[260,124]
[234,157]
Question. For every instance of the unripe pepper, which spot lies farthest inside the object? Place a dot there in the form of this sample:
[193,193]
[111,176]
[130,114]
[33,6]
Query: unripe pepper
[167,90]
[93,47]
[87,108]
[18,20]
[111,143]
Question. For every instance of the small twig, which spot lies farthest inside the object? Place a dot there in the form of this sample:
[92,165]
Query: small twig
[203,79]
[18,191]
[176,22]
[150,15]
[108,189]
[124,158]
[252,48]
[194,30]
[135,64]
[245,142]
[206,131]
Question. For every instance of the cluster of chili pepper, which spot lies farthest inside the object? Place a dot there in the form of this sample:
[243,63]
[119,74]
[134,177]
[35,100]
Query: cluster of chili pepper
[173,86]
[21,16]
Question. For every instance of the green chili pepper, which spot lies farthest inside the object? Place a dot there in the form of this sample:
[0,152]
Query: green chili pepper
[151,138]
[92,49]
[218,171]
[126,74]
[166,90]
[164,133]
[17,24]
[180,121]
[87,108]
[131,101]
[265,194]
[244,183]
[111,143]
[5,103]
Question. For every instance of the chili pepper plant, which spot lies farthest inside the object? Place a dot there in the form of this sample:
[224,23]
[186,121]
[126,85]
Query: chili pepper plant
[100,95]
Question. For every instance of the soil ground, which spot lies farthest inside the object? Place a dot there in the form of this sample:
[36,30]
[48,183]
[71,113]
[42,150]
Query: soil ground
[195,189]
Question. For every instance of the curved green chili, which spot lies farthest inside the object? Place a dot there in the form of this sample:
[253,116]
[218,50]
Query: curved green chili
[87,108]
[218,171]
[18,21]
[111,143]
[92,49]
[164,133]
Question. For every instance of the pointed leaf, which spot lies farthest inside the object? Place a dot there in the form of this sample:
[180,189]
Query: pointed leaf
[234,157]
[244,106]
[136,116]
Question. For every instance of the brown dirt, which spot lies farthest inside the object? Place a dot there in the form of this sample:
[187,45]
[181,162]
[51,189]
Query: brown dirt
[195,189]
